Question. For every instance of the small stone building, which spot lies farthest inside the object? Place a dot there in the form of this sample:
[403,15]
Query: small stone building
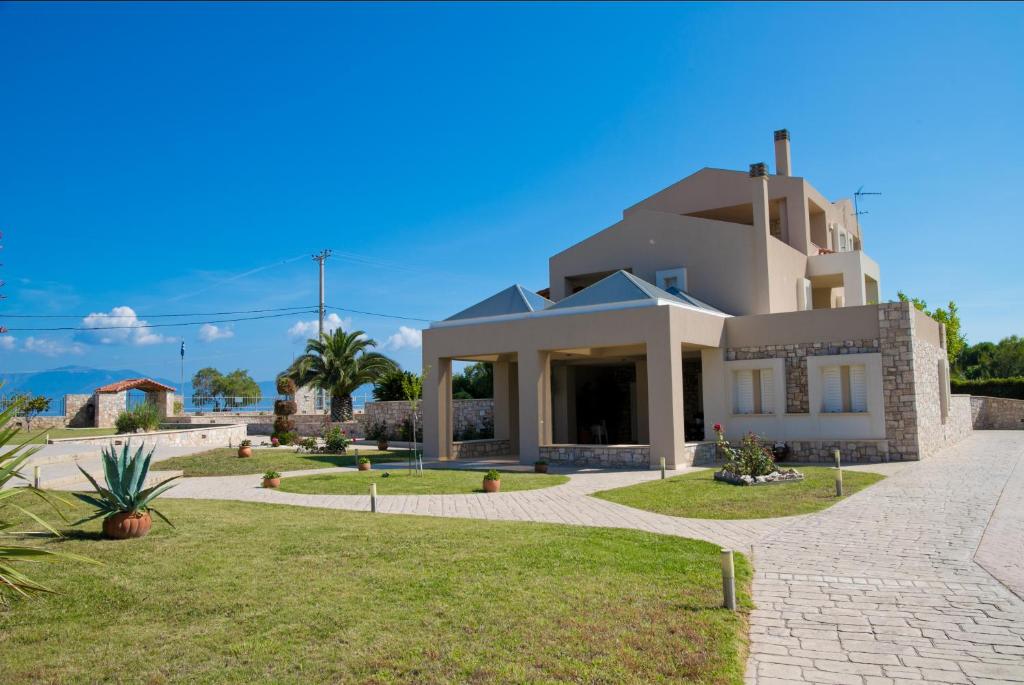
[112,399]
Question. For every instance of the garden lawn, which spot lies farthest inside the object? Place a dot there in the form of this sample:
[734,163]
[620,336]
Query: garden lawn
[401,481]
[226,462]
[38,437]
[243,592]
[698,495]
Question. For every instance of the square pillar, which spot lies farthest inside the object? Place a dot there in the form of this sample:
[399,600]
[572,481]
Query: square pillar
[164,401]
[502,397]
[534,403]
[108,406]
[437,409]
[665,399]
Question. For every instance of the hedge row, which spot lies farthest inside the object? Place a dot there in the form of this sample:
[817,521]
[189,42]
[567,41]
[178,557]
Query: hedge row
[1012,388]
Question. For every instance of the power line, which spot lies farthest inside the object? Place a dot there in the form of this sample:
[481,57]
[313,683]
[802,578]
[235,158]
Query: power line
[298,310]
[307,310]
[383,316]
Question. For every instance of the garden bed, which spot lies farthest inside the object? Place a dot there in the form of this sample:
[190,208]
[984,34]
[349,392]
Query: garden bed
[401,481]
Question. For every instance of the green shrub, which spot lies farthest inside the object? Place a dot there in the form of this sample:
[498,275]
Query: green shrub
[285,407]
[245,443]
[1012,388]
[271,474]
[492,475]
[286,437]
[335,440]
[364,460]
[377,430]
[753,458]
[308,444]
[144,417]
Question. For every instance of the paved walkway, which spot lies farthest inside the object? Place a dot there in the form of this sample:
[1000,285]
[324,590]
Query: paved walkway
[883,588]
[888,587]
[566,503]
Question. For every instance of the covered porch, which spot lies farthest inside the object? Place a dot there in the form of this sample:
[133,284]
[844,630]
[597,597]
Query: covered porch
[616,387]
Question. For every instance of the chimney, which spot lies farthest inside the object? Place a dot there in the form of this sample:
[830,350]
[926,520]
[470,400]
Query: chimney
[783,166]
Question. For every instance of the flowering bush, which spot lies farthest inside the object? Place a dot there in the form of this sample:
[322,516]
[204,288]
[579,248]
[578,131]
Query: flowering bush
[751,459]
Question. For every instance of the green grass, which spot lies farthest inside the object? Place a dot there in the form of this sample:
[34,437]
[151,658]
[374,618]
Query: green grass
[698,495]
[38,437]
[242,592]
[403,482]
[226,462]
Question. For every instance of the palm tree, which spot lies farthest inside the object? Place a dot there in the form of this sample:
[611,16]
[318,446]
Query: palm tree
[340,362]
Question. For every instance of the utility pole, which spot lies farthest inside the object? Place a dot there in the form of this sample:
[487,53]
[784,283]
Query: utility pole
[321,257]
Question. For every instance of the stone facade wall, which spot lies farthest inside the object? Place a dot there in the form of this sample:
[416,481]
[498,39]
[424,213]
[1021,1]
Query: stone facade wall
[995,413]
[214,436]
[480,449]
[850,451]
[896,333]
[79,411]
[262,423]
[605,456]
[40,423]
[108,406]
[465,413]
[796,355]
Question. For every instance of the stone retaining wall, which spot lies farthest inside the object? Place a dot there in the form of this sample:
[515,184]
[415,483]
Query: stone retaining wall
[605,456]
[478,414]
[480,449]
[996,413]
[214,436]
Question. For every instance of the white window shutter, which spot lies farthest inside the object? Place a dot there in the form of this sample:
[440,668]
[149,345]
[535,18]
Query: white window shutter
[858,389]
[767,392]
[831,389]
[743,390]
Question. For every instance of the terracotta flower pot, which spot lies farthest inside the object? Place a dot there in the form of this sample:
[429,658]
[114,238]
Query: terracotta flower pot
[492,485]
[127,524]
[364,467]
[382,445]
[540,468]
[271,482]
[245,451]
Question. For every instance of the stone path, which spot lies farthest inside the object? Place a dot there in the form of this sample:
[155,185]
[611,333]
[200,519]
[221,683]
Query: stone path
[889,587]
[566,503]
[883,588]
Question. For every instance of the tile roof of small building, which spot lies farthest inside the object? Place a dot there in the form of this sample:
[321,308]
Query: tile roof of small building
[512,300]
[623,286]
[146,384]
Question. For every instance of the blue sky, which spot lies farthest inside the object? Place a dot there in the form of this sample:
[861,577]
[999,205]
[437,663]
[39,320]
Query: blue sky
[152,154]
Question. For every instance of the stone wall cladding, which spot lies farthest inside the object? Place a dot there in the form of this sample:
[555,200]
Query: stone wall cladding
[79,410]
[896,334]
[605,456]
[465,413]
[795,356]
[479,449]
[850,451]
[306,425]
[214,436]
[108,406]
[995,413]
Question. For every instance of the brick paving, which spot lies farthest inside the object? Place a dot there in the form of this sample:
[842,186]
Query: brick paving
[889,587]
[883,589]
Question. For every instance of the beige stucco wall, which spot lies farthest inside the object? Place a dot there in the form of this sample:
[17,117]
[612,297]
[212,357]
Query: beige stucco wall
[715,254]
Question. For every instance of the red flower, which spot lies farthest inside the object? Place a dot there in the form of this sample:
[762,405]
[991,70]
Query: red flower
[717,428]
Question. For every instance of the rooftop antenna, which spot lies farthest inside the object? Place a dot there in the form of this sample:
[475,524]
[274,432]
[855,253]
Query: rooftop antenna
[856,202]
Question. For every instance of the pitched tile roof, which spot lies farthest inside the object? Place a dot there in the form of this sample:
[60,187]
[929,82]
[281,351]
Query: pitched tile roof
[147,384]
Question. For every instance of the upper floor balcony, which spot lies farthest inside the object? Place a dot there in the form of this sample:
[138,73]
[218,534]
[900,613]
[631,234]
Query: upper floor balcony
[842,279]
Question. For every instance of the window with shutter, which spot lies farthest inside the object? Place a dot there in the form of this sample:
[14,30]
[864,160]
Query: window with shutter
[858,389]
[832,389]
[767,391]
[743,392]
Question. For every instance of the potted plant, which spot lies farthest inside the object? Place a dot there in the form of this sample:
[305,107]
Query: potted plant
[125,504]
[364,463]
[245,448]
[271,479]
[540,466]
[492,481]
[378,431]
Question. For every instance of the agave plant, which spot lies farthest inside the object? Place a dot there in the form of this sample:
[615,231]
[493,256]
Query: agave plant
[125,475]
[14,583]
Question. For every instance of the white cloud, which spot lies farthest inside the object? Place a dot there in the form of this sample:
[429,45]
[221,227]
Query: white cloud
[209,332]
[405,337]
[135,333]
[7,342]
[309,329]
[51,348]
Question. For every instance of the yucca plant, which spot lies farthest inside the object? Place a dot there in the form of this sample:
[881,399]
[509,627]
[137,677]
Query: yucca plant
[14,583]
[125,475]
